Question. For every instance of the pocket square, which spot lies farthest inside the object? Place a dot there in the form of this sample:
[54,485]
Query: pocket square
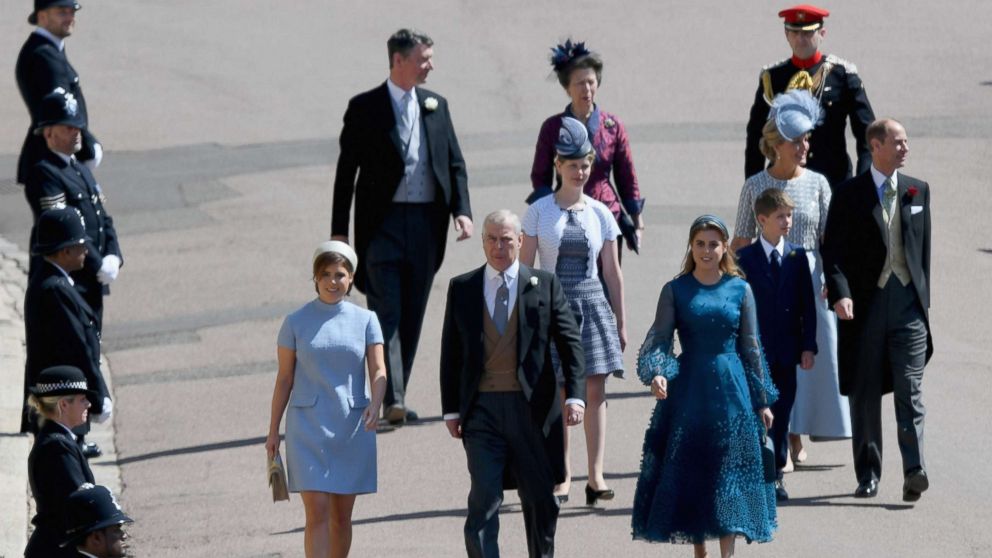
[914,209]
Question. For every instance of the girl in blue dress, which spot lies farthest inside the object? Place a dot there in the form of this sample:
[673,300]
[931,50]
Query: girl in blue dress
[701,474]
[324,349]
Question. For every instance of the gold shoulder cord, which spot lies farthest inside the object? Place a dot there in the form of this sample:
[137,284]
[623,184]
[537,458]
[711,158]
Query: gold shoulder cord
[766,85]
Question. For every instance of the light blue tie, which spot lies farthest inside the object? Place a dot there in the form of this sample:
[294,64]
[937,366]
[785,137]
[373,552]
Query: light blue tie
[406,118]
[501,310]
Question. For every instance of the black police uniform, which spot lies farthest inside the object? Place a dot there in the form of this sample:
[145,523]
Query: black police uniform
[56,469]
[42,67]
[60,329]
[51,182]
[842,95]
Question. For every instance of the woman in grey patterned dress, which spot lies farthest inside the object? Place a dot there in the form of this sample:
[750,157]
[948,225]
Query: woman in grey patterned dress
[819,409]
[572,232]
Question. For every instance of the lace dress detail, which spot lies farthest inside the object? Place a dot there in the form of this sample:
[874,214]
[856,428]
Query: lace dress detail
[701,472]
[585,295]
[811,194]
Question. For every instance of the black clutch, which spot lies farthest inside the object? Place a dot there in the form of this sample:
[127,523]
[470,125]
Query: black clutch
[629,231]
[768,457]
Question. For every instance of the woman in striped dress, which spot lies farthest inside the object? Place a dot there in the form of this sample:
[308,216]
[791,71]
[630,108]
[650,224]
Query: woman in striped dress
[572,232]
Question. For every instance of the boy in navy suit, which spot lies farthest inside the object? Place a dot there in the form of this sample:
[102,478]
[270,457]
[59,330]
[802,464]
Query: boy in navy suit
[779,275]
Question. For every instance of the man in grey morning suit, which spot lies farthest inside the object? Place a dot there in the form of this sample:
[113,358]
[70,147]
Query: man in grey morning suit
[401,163]
[877,262]
[499,393]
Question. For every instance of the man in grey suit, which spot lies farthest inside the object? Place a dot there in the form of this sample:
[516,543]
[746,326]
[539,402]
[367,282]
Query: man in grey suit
[499,394]
[401,163]
[877,260]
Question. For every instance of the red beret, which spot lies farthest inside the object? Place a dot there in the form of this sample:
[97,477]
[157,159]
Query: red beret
[803,17]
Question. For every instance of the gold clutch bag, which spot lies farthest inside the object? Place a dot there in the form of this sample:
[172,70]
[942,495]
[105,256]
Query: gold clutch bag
[277,479]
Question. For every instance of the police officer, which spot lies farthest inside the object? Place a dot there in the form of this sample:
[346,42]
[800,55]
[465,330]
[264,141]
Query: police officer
[94,522]
[59,327]
[41,67]
[58,179]
[832,80]
[56,466]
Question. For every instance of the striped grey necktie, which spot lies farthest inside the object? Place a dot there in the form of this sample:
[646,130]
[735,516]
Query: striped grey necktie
[502,305]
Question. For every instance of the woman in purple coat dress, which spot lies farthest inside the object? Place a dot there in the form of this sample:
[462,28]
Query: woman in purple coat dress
[580,72]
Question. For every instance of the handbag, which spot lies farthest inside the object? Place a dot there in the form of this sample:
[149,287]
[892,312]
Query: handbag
[277,478]
[768,457]
[627,227]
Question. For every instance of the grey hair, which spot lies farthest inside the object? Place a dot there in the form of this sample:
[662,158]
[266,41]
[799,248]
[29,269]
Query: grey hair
[503,217]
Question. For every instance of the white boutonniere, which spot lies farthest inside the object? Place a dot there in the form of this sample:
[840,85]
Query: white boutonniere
[430,103]
[534,281]
[610,123]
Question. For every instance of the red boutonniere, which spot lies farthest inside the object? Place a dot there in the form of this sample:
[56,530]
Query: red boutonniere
[912,191]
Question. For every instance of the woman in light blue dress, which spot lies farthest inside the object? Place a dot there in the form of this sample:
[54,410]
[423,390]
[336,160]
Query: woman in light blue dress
[330,426]
[702,475]
[820,410]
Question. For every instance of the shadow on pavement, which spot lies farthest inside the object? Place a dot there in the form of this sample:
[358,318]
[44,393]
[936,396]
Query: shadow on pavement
[813,501]
[192,449]
[566,513]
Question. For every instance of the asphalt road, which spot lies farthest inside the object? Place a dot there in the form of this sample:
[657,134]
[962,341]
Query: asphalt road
[220,121]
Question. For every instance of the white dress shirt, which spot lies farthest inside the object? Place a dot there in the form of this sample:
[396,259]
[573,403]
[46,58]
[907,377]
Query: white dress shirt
[768,246]
[493,282]
[879,179]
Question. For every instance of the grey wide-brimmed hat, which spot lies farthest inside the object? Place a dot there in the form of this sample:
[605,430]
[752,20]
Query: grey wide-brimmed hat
[573,139]
[337,247]
[45,4]
[796,112]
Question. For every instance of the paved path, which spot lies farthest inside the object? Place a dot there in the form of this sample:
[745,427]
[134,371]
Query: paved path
[222,137]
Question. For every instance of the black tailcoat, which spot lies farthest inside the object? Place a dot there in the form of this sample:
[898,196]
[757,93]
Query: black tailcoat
[41,67]
[60,328]
[854,253]
[842,97]
[52,180]
[56,469]
[370,168]
[544,317]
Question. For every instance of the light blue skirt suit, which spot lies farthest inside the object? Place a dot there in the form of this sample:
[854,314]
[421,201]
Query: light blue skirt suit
[327,446]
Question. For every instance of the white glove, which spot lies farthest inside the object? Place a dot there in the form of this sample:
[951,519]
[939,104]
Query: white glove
[109,268]
[108,411]
[93,163]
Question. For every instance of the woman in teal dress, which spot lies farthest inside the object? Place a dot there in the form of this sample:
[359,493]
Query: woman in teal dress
[701,474]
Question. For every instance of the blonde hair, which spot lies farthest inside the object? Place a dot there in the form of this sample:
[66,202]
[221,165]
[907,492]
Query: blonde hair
[46,407]
[728,264]
[770,139]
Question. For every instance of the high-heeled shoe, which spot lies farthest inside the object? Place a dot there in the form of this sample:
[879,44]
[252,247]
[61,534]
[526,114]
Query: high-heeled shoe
[593,495]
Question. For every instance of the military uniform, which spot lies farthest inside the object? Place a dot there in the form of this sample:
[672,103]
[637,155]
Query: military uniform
[55,181]
[60,329]
[836,83]
[42,67]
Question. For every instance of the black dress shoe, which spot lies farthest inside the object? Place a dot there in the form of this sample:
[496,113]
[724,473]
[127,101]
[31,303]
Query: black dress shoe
[867,489]
[593,495]
[411,415]
[781,494]
[90,450]
[915,485]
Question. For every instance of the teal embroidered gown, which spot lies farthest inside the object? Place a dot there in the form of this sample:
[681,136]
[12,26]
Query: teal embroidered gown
[701,472]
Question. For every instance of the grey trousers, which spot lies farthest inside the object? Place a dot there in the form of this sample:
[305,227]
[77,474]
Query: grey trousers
[499,434]
[893,341]
[400,264]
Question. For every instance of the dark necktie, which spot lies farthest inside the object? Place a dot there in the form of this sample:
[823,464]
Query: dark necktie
[502,305]
[776,265]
